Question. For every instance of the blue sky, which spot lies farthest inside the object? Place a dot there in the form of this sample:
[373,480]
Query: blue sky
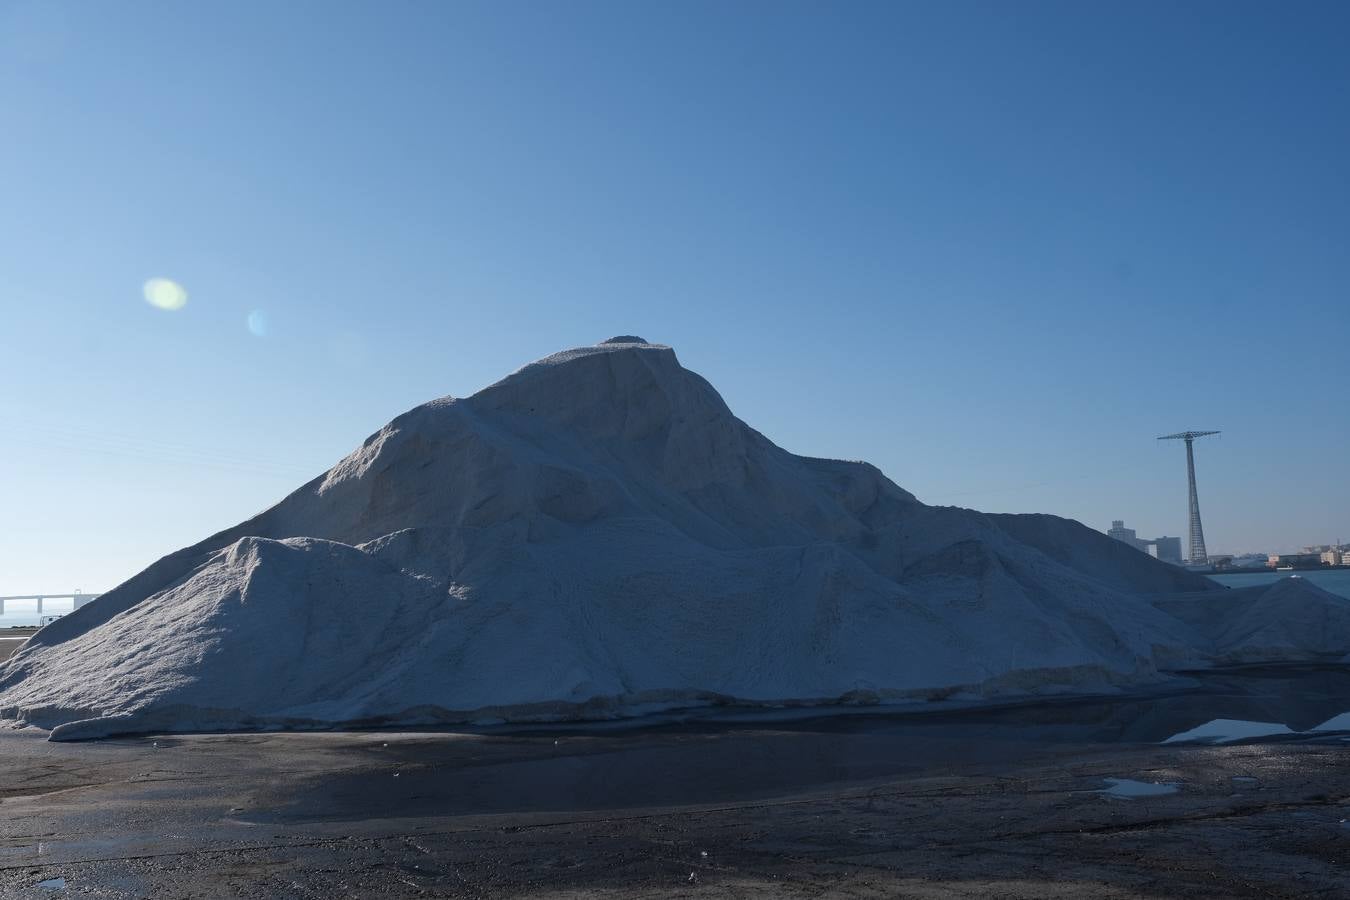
[994,248]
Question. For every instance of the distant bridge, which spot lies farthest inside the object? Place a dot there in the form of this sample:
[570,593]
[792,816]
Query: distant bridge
[80,599]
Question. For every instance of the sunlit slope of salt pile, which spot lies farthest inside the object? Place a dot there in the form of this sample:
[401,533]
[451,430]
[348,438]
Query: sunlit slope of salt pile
[596,535]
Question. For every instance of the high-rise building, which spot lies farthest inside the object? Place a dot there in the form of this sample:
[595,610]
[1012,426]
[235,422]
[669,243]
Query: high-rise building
[1123,534]
[1167,549]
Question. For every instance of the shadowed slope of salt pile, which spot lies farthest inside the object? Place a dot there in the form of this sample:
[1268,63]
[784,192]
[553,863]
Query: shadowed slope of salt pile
[597,535]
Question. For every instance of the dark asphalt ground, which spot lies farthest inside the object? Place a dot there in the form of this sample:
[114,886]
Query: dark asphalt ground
[9,646]
[938,802]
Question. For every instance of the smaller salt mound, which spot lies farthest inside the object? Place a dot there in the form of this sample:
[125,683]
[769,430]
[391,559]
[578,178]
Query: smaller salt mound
[1290,620]
[287,620]
[1112,562]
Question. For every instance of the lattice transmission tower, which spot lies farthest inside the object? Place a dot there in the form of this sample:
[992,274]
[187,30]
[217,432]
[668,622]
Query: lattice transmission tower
[1198,554]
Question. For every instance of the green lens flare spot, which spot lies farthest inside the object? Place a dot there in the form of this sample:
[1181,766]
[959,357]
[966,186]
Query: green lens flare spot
[165,294]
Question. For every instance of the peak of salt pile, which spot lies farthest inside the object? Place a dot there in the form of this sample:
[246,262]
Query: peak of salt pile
[597,534]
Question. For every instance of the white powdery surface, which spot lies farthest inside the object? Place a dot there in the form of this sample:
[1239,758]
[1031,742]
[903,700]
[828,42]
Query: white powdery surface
[597,535]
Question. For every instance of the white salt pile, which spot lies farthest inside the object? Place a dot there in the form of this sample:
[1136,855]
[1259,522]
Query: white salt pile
[597,535]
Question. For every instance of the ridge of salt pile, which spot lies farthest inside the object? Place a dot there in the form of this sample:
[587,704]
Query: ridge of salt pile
[597,535]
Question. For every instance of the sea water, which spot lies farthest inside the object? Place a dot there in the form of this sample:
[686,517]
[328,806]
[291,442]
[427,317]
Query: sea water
[1335,581]
[24,612]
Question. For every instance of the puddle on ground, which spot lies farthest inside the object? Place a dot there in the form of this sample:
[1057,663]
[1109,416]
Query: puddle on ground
[1129,789]
[53,884]
[560,767]
[1223,731]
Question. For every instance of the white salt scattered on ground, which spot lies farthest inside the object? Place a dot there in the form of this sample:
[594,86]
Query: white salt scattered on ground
[1335,723]
[1222,731]
[597,535]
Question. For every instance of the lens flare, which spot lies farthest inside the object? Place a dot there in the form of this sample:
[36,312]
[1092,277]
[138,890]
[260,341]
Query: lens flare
[165,294]
[258,323]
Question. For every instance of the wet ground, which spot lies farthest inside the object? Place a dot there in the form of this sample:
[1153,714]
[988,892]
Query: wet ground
[1081,797]
[10,646]
[11,639]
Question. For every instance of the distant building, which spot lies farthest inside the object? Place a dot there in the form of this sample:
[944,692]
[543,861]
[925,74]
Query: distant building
[1124,535]
[1167,549]
[1334,557]
[1298,560]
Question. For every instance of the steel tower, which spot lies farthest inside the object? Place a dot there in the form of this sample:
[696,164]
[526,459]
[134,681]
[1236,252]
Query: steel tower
[1198,554]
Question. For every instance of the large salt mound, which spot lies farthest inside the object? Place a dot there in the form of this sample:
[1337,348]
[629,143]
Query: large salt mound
[597,535]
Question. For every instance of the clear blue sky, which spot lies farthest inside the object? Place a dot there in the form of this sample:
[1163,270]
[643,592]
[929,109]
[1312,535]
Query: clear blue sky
[994,248]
